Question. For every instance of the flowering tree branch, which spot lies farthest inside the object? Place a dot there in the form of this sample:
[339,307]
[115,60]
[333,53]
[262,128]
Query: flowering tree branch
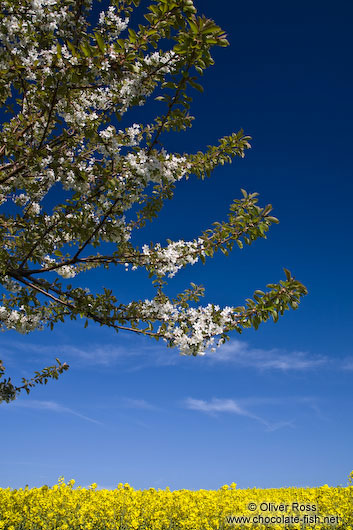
[66,83]
[8,391]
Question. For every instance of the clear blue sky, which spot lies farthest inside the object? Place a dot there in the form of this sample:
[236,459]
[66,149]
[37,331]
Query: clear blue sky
[273,407]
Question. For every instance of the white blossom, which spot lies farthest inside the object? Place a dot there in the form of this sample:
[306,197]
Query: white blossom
[175,256]
[34,209]
[66,271]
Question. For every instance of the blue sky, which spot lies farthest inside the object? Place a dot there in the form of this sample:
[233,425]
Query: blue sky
[272,407]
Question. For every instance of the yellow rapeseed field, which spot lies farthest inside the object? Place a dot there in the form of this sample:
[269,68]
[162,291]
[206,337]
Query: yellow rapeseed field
[64,507]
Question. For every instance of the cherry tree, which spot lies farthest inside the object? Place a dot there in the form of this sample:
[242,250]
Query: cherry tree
[69,77]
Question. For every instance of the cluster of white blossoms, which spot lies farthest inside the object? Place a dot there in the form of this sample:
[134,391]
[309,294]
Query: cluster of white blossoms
[164,62]
[192,330]
[163,311]
[21,199]
[66,271]
[133,134]
[47,13]
[10,285]
[45,176]
[33,209]
[134,88]
[86,108]
[115,230]
[16,34]
[112,23]
[24,319]
[114,140]
[170,259]
[164,167]
[21,321]
[48,261]
[42,11]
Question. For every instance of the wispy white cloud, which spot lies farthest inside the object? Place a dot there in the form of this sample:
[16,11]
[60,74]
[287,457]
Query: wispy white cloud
[216,406]
[51,406]
[136,356]
[294,403]
[240,353]
[138,404]
[235,352]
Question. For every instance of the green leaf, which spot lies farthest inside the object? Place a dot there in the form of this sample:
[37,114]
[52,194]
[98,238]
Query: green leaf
[71,48]
[132,34]
[100,42]
[196,85]
[193,26]
[288,274]
[86,49]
